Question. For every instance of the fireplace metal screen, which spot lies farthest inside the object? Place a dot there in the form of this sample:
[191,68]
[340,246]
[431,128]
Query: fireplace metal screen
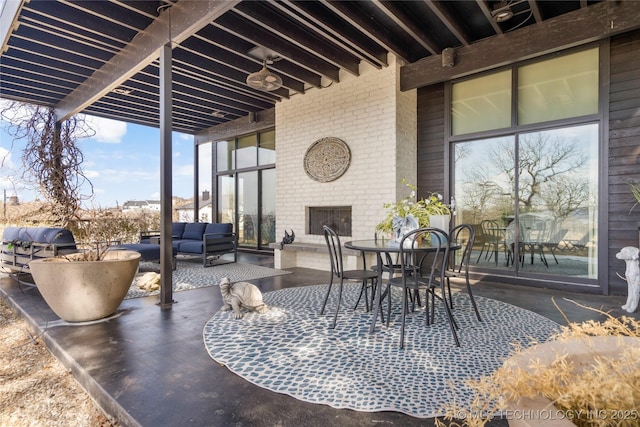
[336,217]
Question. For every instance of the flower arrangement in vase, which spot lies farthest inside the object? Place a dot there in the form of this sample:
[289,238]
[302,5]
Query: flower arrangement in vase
[422,210]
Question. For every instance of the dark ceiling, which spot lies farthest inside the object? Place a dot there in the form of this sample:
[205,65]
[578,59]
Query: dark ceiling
[58,45]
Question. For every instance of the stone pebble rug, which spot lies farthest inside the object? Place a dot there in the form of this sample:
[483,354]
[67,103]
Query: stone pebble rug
[291,350]
[192,275]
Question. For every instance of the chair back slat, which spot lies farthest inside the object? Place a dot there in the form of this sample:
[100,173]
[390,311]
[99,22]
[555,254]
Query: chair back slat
[438,256]
[335,250]
[464,235]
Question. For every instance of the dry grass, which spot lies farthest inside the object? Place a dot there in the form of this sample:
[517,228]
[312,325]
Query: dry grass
[35,389]
[602,393]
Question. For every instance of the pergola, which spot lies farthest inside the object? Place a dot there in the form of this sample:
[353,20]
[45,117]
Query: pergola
[182,65]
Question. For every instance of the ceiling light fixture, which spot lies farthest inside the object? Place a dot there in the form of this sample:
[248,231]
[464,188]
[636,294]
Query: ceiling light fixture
[122,90]
[264,79]
[501,11]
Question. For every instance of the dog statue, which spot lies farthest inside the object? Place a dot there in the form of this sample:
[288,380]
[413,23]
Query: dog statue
[241,295]
[630,255]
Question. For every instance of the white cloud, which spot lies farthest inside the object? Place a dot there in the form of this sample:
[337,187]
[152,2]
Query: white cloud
[107,130]
[7,170]
[91,174]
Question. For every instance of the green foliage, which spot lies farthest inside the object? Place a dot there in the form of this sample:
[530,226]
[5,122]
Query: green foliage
[420,209]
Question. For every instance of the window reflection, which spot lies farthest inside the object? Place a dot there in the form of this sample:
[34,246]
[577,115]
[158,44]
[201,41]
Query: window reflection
[553,177]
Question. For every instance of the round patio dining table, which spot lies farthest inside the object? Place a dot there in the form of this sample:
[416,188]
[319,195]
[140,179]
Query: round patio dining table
[387,246]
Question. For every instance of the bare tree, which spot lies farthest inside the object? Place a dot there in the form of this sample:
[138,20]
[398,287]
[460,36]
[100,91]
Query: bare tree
[565,196]
[51,156]
[543,160]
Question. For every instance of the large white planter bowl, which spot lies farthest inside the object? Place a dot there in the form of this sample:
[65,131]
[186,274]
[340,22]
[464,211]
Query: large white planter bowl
[540,412]
[80,291]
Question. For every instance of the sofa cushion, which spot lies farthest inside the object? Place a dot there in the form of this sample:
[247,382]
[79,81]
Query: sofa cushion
[176,242]
[53,235]
[148,252]
[194,230]
[39,235]
[12,233]
[221,229]
[190,247]
[177,229]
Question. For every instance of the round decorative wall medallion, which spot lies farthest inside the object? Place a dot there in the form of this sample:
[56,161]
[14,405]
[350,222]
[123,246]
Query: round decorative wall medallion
[327,159]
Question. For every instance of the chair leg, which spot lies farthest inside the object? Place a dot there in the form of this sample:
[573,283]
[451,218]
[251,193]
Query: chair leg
[449,290]
[335,316]
[366,295]
[473,301]
[388,292]
[543,258]
[452,322]
[326,297]
[405,306]
[480,254]
[374,289]
[433,304]
[363,290]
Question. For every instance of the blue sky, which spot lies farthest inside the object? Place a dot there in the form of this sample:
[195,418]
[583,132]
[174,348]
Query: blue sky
[122,161]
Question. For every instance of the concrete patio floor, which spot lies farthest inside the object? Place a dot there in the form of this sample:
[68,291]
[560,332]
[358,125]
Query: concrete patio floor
[149,367]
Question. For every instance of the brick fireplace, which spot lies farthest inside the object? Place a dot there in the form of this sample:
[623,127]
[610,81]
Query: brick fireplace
[378,122]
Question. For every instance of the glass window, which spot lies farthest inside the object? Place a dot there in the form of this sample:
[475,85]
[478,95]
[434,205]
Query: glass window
[267,150]
[558,88]
[224,150]
[246,153]
[246,190]
[248,208]
[268,211]
[532,195]
[205,176]
[555,184]
[226,199]
[481,104]
[557,199]
[484,190]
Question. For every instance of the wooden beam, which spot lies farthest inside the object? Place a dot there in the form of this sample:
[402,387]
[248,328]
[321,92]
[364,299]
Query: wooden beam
[367,26]
[449,21]
[9,21]
[185,18]
[262,120]
[583,26]
[261,14]
[393,12]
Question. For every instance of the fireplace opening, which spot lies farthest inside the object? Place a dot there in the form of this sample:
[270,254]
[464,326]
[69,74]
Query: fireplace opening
[336,217]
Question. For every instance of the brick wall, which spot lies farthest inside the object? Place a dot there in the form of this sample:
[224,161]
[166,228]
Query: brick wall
[378,123]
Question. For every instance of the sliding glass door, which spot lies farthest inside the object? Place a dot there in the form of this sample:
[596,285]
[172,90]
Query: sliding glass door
[525,162]
[246,187]
[533,200]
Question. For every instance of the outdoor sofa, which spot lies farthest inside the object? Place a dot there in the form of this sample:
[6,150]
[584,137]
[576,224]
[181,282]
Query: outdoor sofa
[210,240]
[20,245]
